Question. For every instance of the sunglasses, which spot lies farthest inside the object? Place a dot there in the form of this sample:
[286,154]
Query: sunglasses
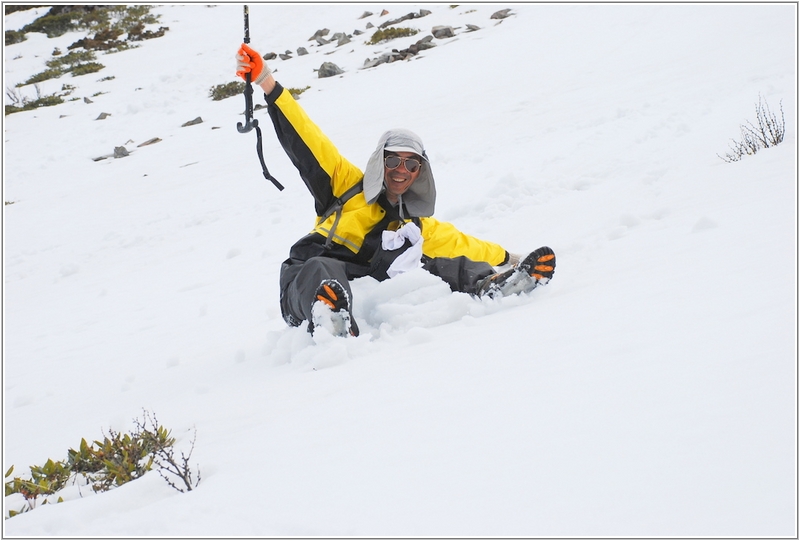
[393,162]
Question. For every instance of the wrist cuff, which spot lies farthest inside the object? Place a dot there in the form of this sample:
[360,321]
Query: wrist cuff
[265,72]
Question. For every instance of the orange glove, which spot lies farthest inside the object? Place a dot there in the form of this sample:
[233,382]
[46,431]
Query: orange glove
[249,61]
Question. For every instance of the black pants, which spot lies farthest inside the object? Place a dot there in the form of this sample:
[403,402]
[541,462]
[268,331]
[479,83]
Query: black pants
[300,280]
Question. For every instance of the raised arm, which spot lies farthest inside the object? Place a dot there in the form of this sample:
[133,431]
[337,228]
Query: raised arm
[326,173]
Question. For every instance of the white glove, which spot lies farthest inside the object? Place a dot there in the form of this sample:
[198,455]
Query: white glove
[411,258]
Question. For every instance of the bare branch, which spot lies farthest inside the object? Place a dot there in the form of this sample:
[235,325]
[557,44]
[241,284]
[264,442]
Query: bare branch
[768,132]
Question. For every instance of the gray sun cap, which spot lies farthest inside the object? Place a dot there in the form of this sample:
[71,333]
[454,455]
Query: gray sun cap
[420,198]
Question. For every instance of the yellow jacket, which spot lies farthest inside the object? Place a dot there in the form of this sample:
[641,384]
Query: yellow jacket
[328,175]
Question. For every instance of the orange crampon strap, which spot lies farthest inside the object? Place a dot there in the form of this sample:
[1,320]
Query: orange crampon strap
[331,295]
[543,268]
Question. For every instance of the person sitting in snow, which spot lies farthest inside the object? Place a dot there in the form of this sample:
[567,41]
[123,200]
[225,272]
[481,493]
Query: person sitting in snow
[375,223]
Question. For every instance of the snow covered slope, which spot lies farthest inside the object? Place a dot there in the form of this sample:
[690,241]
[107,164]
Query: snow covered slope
[649,390]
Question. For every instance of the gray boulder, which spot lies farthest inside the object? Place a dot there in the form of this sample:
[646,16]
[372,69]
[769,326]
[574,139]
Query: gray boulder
[422,13]
[152,141]
[329,69]
[194,122]
[319,34]
[502,14]
[441,32]
[405,54]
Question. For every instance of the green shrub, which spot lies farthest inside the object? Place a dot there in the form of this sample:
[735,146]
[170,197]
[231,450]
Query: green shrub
[52,73]
[104,40]
[55,25]
[15,36]
[138,33]
[390,33]
[109,22]
[116,460]
[8,9]
[89,67]
[129,17]
[227,90]
[95,18]
[77,62]
[71,59]
[295,92]
[26,104]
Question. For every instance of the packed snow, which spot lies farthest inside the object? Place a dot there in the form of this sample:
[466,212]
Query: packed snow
[649,390]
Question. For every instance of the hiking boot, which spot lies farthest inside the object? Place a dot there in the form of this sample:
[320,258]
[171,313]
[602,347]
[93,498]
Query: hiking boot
[535,270]
[540,264]
[331,310]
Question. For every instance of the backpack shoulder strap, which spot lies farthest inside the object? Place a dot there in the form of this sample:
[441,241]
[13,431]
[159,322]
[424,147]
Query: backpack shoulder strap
[340,201]
[336,207]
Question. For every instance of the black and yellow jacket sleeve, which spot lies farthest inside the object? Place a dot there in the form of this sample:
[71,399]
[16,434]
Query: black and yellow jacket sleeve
[328,175]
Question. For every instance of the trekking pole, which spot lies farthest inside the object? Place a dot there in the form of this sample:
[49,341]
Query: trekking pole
[249,121]
[248,90]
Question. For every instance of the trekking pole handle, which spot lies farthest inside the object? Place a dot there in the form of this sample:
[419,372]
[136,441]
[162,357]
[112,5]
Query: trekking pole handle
[250,122]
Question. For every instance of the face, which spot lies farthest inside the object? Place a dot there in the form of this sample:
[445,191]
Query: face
[399,180]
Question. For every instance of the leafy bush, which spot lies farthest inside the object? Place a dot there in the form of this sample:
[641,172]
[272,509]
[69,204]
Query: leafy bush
[52,73]
[8,9]
[89,67]
[138,33]
[118,459]
[15,36]
[55,25]
[768,132]
[227,90]
[20,103]
[109,22]
[295,92]
[71,59]
[43,101]
[389,34]
[76,62]
[104,40]
[128,17]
